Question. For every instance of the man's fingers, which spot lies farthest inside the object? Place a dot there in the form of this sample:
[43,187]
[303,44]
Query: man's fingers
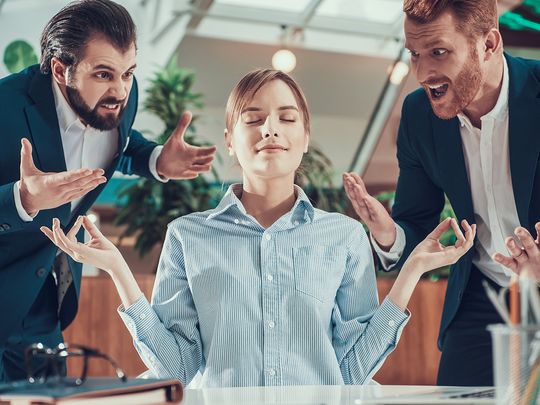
[527,241]
[537,227]
[515,251]
[83,184]
[63,178]
[182,126]
[200,168]
[360,183]
[506,261]
[27,162]
[204,160]
[204,152]
[75,194]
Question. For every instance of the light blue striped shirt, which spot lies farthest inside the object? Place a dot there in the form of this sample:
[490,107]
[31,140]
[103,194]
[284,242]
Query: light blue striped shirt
[295,303]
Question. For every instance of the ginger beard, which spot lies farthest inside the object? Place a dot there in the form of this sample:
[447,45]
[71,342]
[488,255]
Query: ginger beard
[452,97]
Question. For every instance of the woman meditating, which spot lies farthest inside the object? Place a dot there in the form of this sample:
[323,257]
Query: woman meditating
[265,289]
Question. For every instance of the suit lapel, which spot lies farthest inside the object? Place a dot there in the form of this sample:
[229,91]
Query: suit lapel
[43,123]
[524,133]
[453,173]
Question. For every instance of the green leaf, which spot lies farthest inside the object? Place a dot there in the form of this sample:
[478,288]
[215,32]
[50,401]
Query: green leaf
[18,55]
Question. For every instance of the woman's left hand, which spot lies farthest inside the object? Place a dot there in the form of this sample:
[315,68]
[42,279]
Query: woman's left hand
[431,254]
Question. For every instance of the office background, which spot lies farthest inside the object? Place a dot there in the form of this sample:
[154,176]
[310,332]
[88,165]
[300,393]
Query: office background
[350,63]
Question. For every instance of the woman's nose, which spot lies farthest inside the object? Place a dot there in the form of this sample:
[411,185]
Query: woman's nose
[268,129]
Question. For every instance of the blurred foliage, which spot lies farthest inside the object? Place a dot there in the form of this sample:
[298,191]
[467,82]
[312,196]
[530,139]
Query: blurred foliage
[151,205]
[18,55]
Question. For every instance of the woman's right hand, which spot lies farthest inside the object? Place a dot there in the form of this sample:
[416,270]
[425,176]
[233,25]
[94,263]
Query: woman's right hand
[99,251]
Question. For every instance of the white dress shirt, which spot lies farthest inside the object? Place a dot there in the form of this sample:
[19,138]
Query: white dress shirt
[83,146]
[487,163]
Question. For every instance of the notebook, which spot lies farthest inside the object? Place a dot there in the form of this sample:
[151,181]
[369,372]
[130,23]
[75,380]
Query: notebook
[110,391]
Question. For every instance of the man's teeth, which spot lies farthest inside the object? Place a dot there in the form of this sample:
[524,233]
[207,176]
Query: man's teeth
[436,87]
[110,106]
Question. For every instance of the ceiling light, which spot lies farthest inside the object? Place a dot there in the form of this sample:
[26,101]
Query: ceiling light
[284,60]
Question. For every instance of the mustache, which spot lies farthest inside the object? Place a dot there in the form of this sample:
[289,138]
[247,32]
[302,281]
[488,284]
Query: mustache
[110,100]
[437,80]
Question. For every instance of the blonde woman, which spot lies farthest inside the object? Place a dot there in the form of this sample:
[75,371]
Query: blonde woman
[265,289]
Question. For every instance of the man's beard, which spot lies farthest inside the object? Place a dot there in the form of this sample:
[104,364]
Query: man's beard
[464,88]
[102,122]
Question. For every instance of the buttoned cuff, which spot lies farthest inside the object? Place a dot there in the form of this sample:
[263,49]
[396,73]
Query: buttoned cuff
[18,204]
[140,318]
[389,320]
[390,258]
[152,164]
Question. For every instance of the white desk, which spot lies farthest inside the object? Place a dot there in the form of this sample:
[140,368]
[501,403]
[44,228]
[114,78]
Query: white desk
[306,395]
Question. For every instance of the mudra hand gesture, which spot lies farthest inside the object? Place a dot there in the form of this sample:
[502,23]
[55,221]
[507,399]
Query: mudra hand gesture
[99,251]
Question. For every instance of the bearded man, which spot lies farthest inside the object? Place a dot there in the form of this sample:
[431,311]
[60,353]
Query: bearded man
[71,119]
[471,132]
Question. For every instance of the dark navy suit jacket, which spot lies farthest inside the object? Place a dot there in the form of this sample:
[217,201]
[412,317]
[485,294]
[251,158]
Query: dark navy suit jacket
[432,164]
[27,110]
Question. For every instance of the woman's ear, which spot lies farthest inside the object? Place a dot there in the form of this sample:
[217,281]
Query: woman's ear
[58,71]
[228,142]
[307,142]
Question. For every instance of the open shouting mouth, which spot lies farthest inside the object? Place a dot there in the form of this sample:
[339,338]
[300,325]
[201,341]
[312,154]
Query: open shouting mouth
[437,91]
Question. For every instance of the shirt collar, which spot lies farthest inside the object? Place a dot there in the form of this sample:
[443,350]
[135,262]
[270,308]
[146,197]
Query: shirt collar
[302,210]
[501,106]
[66,116]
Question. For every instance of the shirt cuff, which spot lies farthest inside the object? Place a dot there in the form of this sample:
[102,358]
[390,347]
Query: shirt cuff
[390,320]
[390,258]
[152,164]
[18,204]
[140,318]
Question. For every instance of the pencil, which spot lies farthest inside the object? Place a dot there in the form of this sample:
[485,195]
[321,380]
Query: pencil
[514,300]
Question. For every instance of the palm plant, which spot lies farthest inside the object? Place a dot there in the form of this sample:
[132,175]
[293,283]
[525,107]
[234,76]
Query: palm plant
[151,205]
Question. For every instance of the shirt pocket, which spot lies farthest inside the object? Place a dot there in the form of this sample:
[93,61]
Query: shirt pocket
[318,270]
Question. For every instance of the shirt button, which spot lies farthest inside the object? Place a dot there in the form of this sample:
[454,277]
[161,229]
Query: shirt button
[268,236]
[391,323]
[236,221]
[296,223]
[271,324]
[272,372]
[142,316]
[269,277]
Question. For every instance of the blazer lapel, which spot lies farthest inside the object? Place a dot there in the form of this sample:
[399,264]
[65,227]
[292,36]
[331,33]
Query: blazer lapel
[449,151]
[44,129]
[524,133]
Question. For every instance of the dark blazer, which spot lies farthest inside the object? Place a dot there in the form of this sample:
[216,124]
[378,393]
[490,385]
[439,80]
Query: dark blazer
[432,164]
[27,110]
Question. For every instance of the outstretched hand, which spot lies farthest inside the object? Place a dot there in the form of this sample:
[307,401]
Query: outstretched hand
[526,259]
[99,251]
[180,160]
[40,190]
[370,210]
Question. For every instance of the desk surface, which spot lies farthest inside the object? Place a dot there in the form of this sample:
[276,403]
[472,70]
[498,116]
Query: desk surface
[306,395]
